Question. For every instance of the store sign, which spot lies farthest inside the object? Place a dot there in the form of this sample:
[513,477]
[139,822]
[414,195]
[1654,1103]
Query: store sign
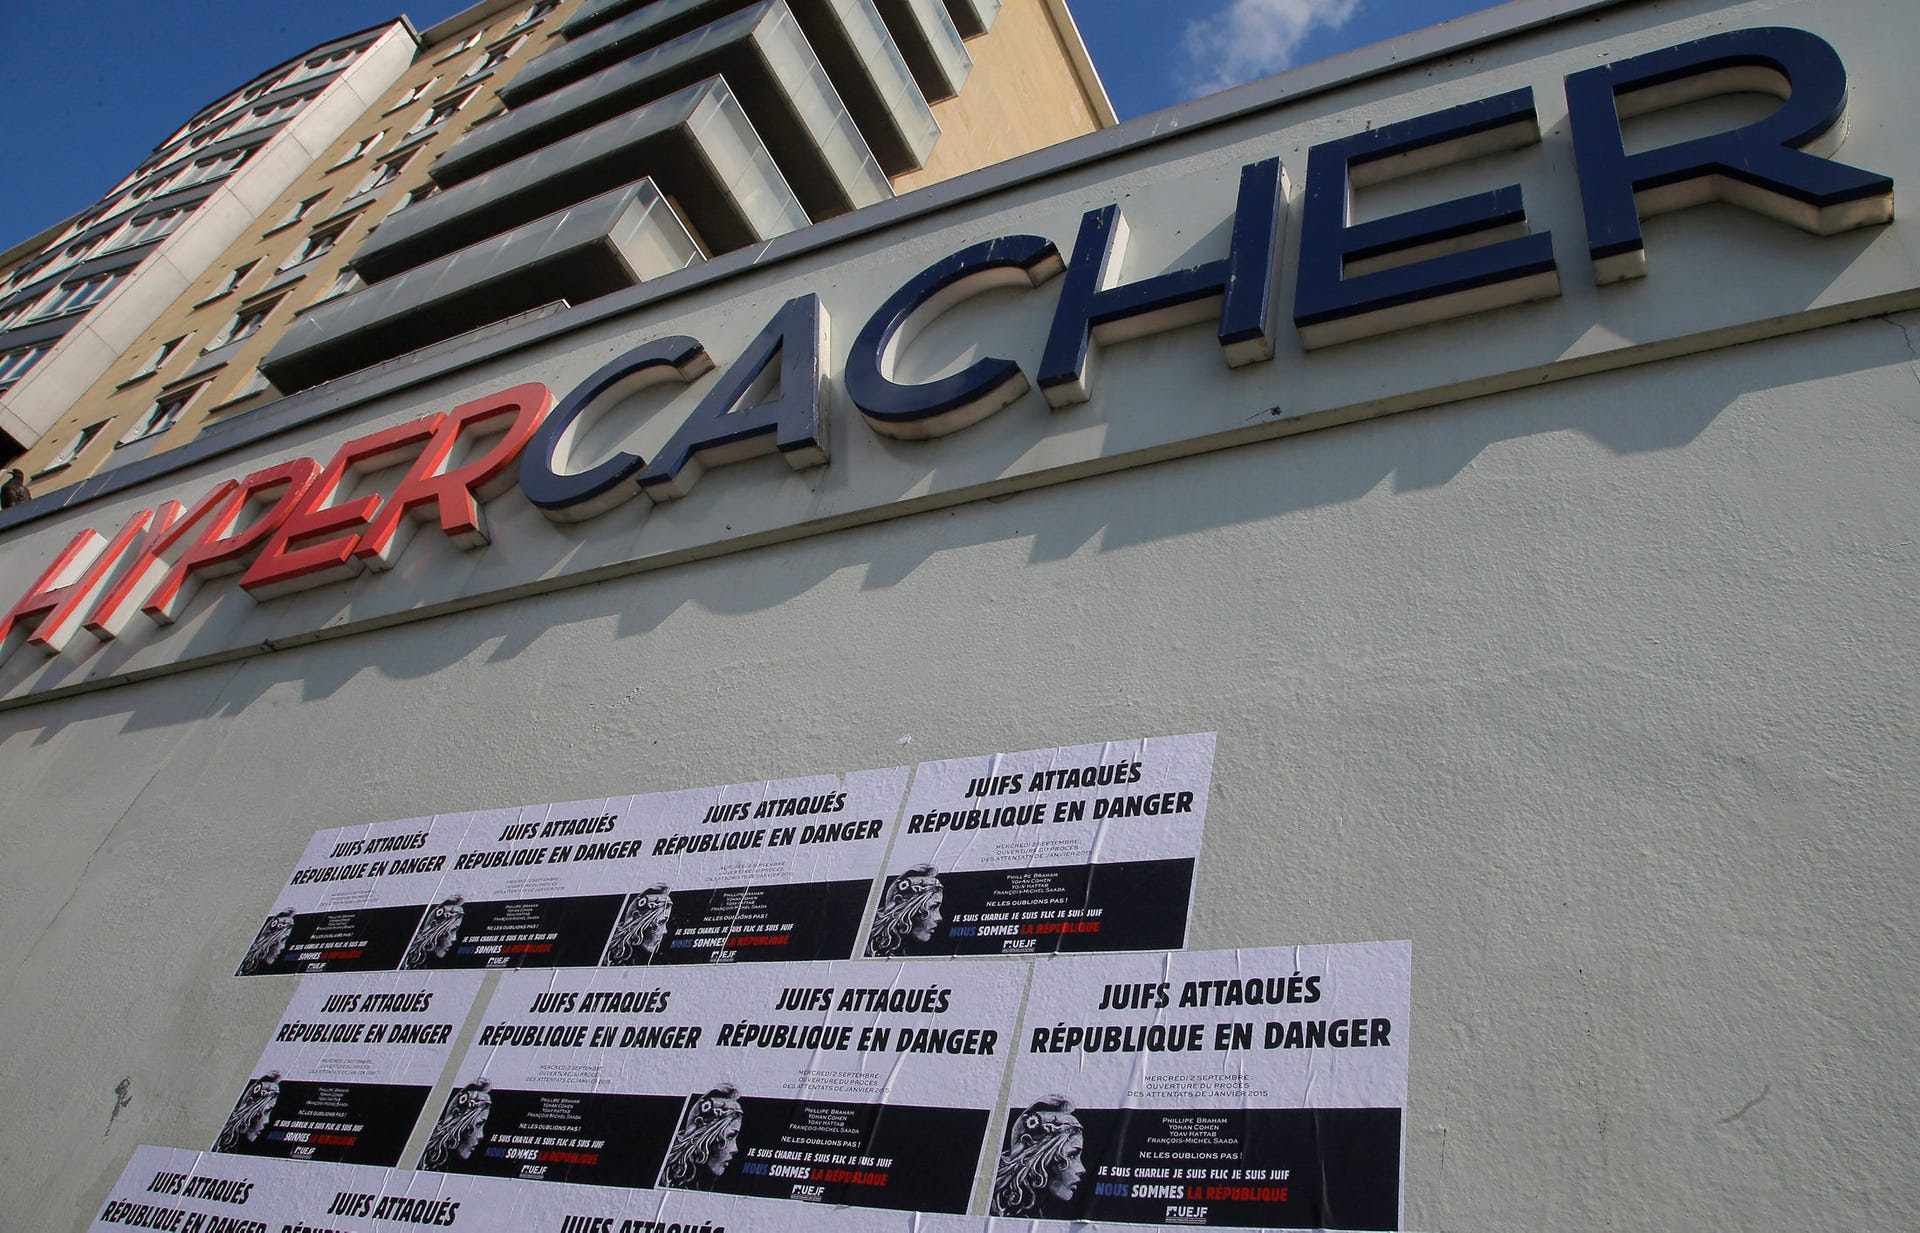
[304,522]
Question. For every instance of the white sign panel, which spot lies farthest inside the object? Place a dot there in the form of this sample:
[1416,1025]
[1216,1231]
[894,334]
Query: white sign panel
[355,898]
[1090,848]
[350,1067]
[757,872]
[1256,1087]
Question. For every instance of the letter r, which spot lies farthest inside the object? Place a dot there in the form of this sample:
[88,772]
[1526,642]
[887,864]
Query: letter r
[1772,166]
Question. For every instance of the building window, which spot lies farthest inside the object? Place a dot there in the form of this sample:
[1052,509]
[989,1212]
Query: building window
[14,364]
[366,145]
[66,456]
[75,296]
[417,196]
[383,175]
[76,253]
[246,323]
[298,212]
[318,245]
[321,64]
[160,416]
[143,191]
[343,282]
[471,39]
[152,227]
[272,113]
[417,93]
[161,354]
[239,274]
[212,168]
[493,59]
[535,13]
[205,135]
[441,112]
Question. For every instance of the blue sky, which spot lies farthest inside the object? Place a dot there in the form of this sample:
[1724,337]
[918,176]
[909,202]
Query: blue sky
[88,87]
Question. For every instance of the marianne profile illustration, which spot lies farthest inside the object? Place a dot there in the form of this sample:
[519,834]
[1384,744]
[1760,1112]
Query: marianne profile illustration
[269,944]
[642,927]
[1040,1167]
[707,1141]
[909,909]
[436,934]
[250,1116]
[462,1126]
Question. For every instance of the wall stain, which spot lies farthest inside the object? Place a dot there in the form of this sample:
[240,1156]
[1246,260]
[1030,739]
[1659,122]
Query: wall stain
[122,1097]
[1747,1108]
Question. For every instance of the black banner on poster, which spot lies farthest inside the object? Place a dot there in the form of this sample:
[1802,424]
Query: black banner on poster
[564,932]
[859,1155]
[595,1139]
[352,940]
[1128,905]
[738,924]
[1260,1168]
[354,1123]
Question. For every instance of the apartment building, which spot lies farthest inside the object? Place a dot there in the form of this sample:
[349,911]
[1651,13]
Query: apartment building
[78,300]
[618,140]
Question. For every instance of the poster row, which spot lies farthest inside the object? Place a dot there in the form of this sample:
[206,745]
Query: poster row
[1081,849]
[192,1192]
[1241,1088]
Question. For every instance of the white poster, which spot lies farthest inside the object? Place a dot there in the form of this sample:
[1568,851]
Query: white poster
[1250,1088]
[865,1084]
[533,886]
[183,1191]
[355,898]
[1090,848]
[756,872]
[350,1067]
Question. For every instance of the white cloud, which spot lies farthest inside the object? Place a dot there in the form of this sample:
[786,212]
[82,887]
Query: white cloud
[1252,38]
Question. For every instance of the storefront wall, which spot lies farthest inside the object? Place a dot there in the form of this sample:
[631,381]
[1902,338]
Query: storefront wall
[1599,689]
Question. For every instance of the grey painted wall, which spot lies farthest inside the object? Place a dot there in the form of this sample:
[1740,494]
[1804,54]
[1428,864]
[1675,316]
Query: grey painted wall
[1600,691]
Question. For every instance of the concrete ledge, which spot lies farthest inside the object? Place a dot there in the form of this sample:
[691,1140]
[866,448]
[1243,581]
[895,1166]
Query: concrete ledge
[697,146]
[597,247]
[852,43]
[930,43]
[767,62]
[973,18]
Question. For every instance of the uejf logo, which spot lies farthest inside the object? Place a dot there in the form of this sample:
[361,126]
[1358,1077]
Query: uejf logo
[812,1194]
